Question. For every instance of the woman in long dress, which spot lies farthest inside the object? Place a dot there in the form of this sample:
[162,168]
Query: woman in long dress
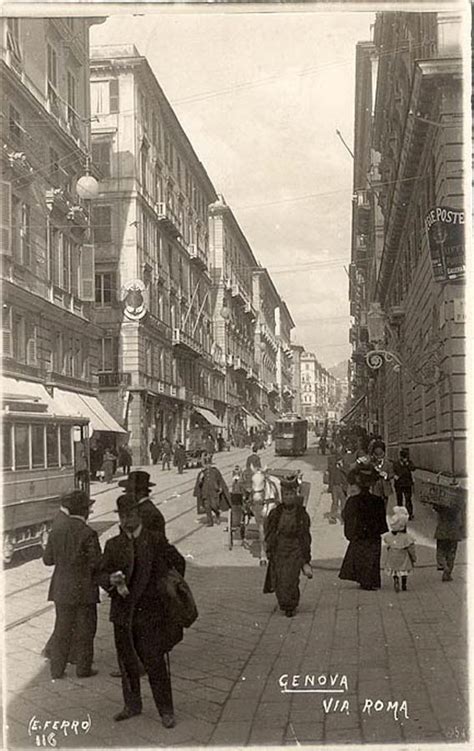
[364,523]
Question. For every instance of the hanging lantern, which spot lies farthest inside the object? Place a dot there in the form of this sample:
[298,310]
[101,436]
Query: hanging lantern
[87,187]
[376,323]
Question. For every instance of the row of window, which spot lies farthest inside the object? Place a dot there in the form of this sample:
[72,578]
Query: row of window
[27,446]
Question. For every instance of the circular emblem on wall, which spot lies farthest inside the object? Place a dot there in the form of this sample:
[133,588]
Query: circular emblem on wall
[133,299]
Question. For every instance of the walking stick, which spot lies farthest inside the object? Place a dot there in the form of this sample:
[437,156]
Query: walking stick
[167,654]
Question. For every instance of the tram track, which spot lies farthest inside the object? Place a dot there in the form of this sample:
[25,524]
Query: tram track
[40,611]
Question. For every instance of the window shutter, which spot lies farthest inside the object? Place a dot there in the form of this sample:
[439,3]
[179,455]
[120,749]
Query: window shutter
[5,217]
[87,273]
[7,331]
[114,95]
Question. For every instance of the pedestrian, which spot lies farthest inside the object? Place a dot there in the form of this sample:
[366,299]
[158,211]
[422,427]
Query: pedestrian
[364,523]
[450,530]
[81,466]
[403,477]
[253,461]
[237,494]
[211,490]
[133,573]
[74,551]
[209,446]
[382,486]
[288,546]
[339,467]
[180,457]
[220,442]
[401,553]
[362,448]
[125,458]
[322,444]
[154,451]
[108,465]
[166,453]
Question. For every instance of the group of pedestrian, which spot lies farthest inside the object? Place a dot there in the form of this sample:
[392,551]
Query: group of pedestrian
[165,452]
[133,570]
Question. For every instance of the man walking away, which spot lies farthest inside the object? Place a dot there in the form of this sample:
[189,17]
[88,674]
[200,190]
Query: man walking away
[403,469]
[74,551]
[154,451]
[180,457]
[125,458]
[133,573]
[209,487]
[451,529]
[166,454]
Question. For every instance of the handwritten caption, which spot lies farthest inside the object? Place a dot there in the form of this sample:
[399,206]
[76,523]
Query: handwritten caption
[45,733]
[337,684]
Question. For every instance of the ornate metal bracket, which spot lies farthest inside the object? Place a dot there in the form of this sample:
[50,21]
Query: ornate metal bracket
[429,374]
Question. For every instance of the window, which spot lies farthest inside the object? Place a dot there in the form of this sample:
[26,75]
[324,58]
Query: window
[7,330]
[109,354]
[7,446]
[54,166]
[52,68]
[37,445]
[19,337]
[22,446]
[65,443]
[52,445]
[58,354]
[105,288]
[31,343]
[14,125]
[101,154]
[105,97]
[143,166]
[53,256]
[25,235]
[148,357]
[66,263]
[71,99]
[102,224]
[77,359]
[114,95]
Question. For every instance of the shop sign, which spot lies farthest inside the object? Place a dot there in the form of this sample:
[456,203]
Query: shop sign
[133,294]
[441,495]
[445,231]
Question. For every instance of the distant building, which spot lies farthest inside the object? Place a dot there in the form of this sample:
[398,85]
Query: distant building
[297,350]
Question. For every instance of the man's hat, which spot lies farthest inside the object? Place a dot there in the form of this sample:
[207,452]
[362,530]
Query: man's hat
[77,502]
[125,503]
[137,481]
[289,482]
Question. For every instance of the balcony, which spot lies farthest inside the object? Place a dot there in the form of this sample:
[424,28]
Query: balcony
[114,379]
[250,310]
[186,345]
[197,254]
[361,250]
[230,361]
[240,365]
[168,220]
[19,163]
[252,373]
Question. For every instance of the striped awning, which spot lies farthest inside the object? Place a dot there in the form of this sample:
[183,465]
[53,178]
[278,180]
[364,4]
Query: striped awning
[354,409]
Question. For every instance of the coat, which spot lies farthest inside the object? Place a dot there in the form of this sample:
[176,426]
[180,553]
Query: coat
[154,521]
[401,554]
[304,535]
[74,551]
[211,486]
[383,487]
[451,523]
[143,563]
[402,470]
[364,517]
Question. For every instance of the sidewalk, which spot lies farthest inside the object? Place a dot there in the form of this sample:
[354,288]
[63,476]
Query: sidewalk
[409,647]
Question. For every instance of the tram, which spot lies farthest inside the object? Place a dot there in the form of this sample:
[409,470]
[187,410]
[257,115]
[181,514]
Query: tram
[43,458]
[291,436]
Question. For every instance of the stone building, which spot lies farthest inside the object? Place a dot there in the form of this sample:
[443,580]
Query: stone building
[284,326]
[159,370]
[296,383]
[266,300]
[407,273]
[49,341]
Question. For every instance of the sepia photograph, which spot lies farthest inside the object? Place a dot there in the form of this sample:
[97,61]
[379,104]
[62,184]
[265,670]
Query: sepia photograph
[234,374]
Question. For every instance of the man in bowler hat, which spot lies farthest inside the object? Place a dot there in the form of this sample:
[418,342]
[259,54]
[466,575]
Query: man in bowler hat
[133,573]
[74,551]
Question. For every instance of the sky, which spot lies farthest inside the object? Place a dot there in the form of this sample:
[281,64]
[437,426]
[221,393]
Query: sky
[260,96]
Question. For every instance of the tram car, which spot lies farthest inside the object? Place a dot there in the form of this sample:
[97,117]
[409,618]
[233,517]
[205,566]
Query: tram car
[43,458]
[290,434]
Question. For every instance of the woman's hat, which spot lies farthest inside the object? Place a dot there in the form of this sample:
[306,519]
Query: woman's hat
[137,481]
[125,503]
[398,521]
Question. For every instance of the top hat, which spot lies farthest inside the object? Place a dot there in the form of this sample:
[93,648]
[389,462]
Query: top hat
[77,502]
[126,502]
[137,480]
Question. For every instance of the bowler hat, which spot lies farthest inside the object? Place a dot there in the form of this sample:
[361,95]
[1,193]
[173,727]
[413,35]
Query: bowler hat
[77,502]
[137,480]
[125,503]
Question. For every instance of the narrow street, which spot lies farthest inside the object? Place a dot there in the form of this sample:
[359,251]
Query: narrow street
[395,664]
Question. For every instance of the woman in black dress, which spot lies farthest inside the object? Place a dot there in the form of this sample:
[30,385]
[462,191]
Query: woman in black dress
[364,523]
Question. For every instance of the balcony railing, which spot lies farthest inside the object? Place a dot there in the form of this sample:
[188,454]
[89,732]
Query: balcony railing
[186,344]
[114,379]
[240,364]
[168,219]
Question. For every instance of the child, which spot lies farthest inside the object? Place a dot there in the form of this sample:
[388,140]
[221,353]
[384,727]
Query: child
[401,553]
[403,469]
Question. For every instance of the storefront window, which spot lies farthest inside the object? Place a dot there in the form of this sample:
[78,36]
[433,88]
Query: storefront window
[66,454]
[37,445]
[52,445]
[22,447]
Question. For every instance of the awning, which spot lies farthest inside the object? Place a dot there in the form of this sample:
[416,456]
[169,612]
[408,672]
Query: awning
[353,409]
[254,421]
[73,403]
[209,416]
[15,388]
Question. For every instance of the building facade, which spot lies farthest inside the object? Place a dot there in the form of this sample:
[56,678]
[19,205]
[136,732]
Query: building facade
[407,273]
[159,369]
[283,329]
[266,300]
[49,336]
[296,382]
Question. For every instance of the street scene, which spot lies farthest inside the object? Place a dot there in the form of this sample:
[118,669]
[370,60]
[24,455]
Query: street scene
[233,377]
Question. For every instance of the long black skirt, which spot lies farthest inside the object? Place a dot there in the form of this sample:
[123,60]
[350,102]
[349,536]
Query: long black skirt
[362,563]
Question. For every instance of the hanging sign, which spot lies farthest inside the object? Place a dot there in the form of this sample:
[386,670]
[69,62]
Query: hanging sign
[133,298]
[445,231]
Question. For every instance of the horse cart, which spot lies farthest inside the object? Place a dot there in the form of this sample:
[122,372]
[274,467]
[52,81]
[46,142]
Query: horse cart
[249,520]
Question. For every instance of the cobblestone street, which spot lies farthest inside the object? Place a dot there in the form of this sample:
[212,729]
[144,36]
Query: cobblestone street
[398,660]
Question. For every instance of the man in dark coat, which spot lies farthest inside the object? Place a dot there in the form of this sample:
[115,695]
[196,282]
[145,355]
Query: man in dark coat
[180,457]
[450,530]
[403,469]
[74,551]
[209,489]
[154,451]
[133,572]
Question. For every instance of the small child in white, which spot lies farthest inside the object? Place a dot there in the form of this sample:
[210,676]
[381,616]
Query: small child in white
[401,554]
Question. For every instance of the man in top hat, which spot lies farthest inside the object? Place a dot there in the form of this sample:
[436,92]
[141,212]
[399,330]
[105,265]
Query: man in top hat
[133,572]
[74,551]
[139,485]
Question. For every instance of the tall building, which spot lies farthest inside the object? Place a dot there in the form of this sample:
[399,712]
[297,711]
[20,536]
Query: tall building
[296,382]
[283,328]
[266,300]
[49,338]
[159,370]
[407,282]
[233,264]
